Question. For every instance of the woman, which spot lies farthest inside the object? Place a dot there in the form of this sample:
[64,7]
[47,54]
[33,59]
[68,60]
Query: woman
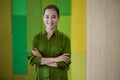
[51,49]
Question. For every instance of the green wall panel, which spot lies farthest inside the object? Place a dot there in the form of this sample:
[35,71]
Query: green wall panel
[19,47]
[19,44]
[34,21]
[47,2]
[19,7]
[64,6]
[64,25]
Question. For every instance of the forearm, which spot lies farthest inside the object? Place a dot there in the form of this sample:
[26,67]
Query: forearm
[47,60]
[52,64]
[63,57]
[59,61]
[59,64]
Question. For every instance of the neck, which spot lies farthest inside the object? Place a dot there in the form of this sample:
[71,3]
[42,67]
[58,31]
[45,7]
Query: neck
[50,31]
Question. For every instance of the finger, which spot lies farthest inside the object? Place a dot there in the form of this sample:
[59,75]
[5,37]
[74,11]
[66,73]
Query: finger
[36,49]
[34,52]
[66,59]
[66,54]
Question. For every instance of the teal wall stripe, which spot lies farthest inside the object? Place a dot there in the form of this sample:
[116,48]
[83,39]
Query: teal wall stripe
[19,47]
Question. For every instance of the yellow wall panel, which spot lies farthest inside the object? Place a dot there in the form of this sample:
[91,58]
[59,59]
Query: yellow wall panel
[78,40]
[78,67]
[78,24]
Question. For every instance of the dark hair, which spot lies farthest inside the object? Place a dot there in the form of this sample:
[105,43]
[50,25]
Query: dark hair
[51,6]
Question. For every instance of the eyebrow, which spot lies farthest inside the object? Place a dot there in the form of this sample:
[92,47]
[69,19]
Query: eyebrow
[48,15]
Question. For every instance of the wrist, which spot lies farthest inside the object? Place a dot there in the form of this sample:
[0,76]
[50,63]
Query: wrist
[52,64]
[53,60]
[47,60]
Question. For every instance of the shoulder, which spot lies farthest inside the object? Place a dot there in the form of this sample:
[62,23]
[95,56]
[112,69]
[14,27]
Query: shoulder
[63,35]
[38,35]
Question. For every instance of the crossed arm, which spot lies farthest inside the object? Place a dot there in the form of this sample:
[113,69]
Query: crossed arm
[51,61]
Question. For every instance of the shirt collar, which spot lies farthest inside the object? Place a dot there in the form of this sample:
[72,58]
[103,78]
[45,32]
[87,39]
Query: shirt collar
[56,32]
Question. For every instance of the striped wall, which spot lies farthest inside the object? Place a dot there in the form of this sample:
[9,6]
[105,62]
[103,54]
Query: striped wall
[92,25]
[24,21]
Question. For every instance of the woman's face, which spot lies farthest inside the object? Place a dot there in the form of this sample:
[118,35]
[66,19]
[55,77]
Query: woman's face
[50,18]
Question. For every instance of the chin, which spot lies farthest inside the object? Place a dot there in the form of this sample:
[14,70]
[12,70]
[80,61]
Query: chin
[51,26]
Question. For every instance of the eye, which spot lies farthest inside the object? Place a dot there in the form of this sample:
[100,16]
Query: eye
[53,16]
[46,16]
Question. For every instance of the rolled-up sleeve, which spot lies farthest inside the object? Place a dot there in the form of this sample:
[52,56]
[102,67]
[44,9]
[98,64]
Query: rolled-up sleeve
[31,58]
[34,60]
[66,50]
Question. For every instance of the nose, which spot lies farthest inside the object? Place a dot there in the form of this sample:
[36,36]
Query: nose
[50,20]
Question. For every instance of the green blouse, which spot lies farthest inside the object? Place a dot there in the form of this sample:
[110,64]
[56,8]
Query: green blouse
[58,44]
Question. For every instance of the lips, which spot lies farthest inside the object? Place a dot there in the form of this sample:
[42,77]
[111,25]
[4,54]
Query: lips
[50,24]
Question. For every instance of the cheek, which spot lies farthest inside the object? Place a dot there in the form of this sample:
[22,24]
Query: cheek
[44,20]
[56,21]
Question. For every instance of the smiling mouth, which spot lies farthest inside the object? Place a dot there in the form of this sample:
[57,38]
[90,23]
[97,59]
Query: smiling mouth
[50,24]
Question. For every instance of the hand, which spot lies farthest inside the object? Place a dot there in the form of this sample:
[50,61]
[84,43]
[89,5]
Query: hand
[36,53]
[63,57]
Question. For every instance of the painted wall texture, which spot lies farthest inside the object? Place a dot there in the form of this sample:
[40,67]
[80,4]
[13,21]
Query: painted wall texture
[92,25]
[20,20]
[103,40]
[5,40]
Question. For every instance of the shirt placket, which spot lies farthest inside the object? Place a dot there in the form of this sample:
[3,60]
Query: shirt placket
[48,75]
